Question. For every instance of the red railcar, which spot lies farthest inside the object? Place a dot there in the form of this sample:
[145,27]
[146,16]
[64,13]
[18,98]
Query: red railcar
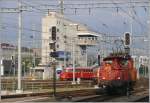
[80,72]
[117,73]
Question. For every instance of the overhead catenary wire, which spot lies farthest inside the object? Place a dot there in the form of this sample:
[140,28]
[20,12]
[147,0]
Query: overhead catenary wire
[99,4]
[34,7]
[129,15]
[45,10]
[114,7]
[24,28]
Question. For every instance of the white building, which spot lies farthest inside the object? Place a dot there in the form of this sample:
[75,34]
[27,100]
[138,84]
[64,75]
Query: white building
[7,50]
[9,56]
[72,40]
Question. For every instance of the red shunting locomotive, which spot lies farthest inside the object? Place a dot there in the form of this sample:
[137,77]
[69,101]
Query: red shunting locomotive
[117,73]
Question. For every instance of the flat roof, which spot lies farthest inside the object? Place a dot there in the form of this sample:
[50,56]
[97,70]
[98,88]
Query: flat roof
[88,33]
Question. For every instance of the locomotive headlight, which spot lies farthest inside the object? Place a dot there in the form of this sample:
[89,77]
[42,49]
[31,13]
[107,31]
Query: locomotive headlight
[118,78]
[103,78]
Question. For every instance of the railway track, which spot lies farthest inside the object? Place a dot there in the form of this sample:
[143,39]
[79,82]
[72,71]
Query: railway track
[88,95]
[78,95]
[41,84]
[99,98]
[32,97]
[146,98]
[140,94]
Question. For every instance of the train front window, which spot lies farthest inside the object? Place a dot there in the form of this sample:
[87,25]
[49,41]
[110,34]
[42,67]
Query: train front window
[68,70]
[108,62]
[124,63]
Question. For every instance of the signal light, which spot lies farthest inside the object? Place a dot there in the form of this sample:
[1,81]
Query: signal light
[52,45]
[53,32]
[127,38]
[99,60]
[33,65]
[103,78]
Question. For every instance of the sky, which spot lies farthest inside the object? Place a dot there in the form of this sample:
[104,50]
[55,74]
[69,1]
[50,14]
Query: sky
[112,21]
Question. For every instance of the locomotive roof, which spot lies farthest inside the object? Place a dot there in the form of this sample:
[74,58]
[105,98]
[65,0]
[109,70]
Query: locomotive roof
[78,68]
[117,57]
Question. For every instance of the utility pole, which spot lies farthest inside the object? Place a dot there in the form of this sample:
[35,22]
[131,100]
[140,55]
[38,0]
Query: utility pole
[0,73]
[86,56]
[73,82]
[127,47]
[149,40]
[33,59]
[54,55]
[62,6]
[131,25]
[54,77]
[0,60]
[19,46]
[14,10]
[65,42]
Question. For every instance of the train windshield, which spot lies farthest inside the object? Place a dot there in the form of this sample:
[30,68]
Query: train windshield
[124,62]
[108,62]
[68,70]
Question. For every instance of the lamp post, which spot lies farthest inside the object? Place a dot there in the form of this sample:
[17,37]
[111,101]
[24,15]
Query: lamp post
[86,56]
[148,56]
[0,68]
[54,55]
[33,53]
[65,41]
[73,52]
[149,40]
[0,63]
[19,47]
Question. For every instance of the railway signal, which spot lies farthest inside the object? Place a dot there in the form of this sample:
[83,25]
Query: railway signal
[127,42]
[127,38]
[99,60]
[52,45]
[53,54]
[53,33]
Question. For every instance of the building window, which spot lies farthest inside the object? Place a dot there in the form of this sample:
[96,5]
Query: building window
[57,30]
[58,22]
[65,36]
[57,46]
[65,41]
[57,38]
[50,30]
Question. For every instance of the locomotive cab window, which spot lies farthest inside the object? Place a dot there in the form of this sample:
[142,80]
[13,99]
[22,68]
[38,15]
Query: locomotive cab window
[108,62]
[124,63]
[68,70]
